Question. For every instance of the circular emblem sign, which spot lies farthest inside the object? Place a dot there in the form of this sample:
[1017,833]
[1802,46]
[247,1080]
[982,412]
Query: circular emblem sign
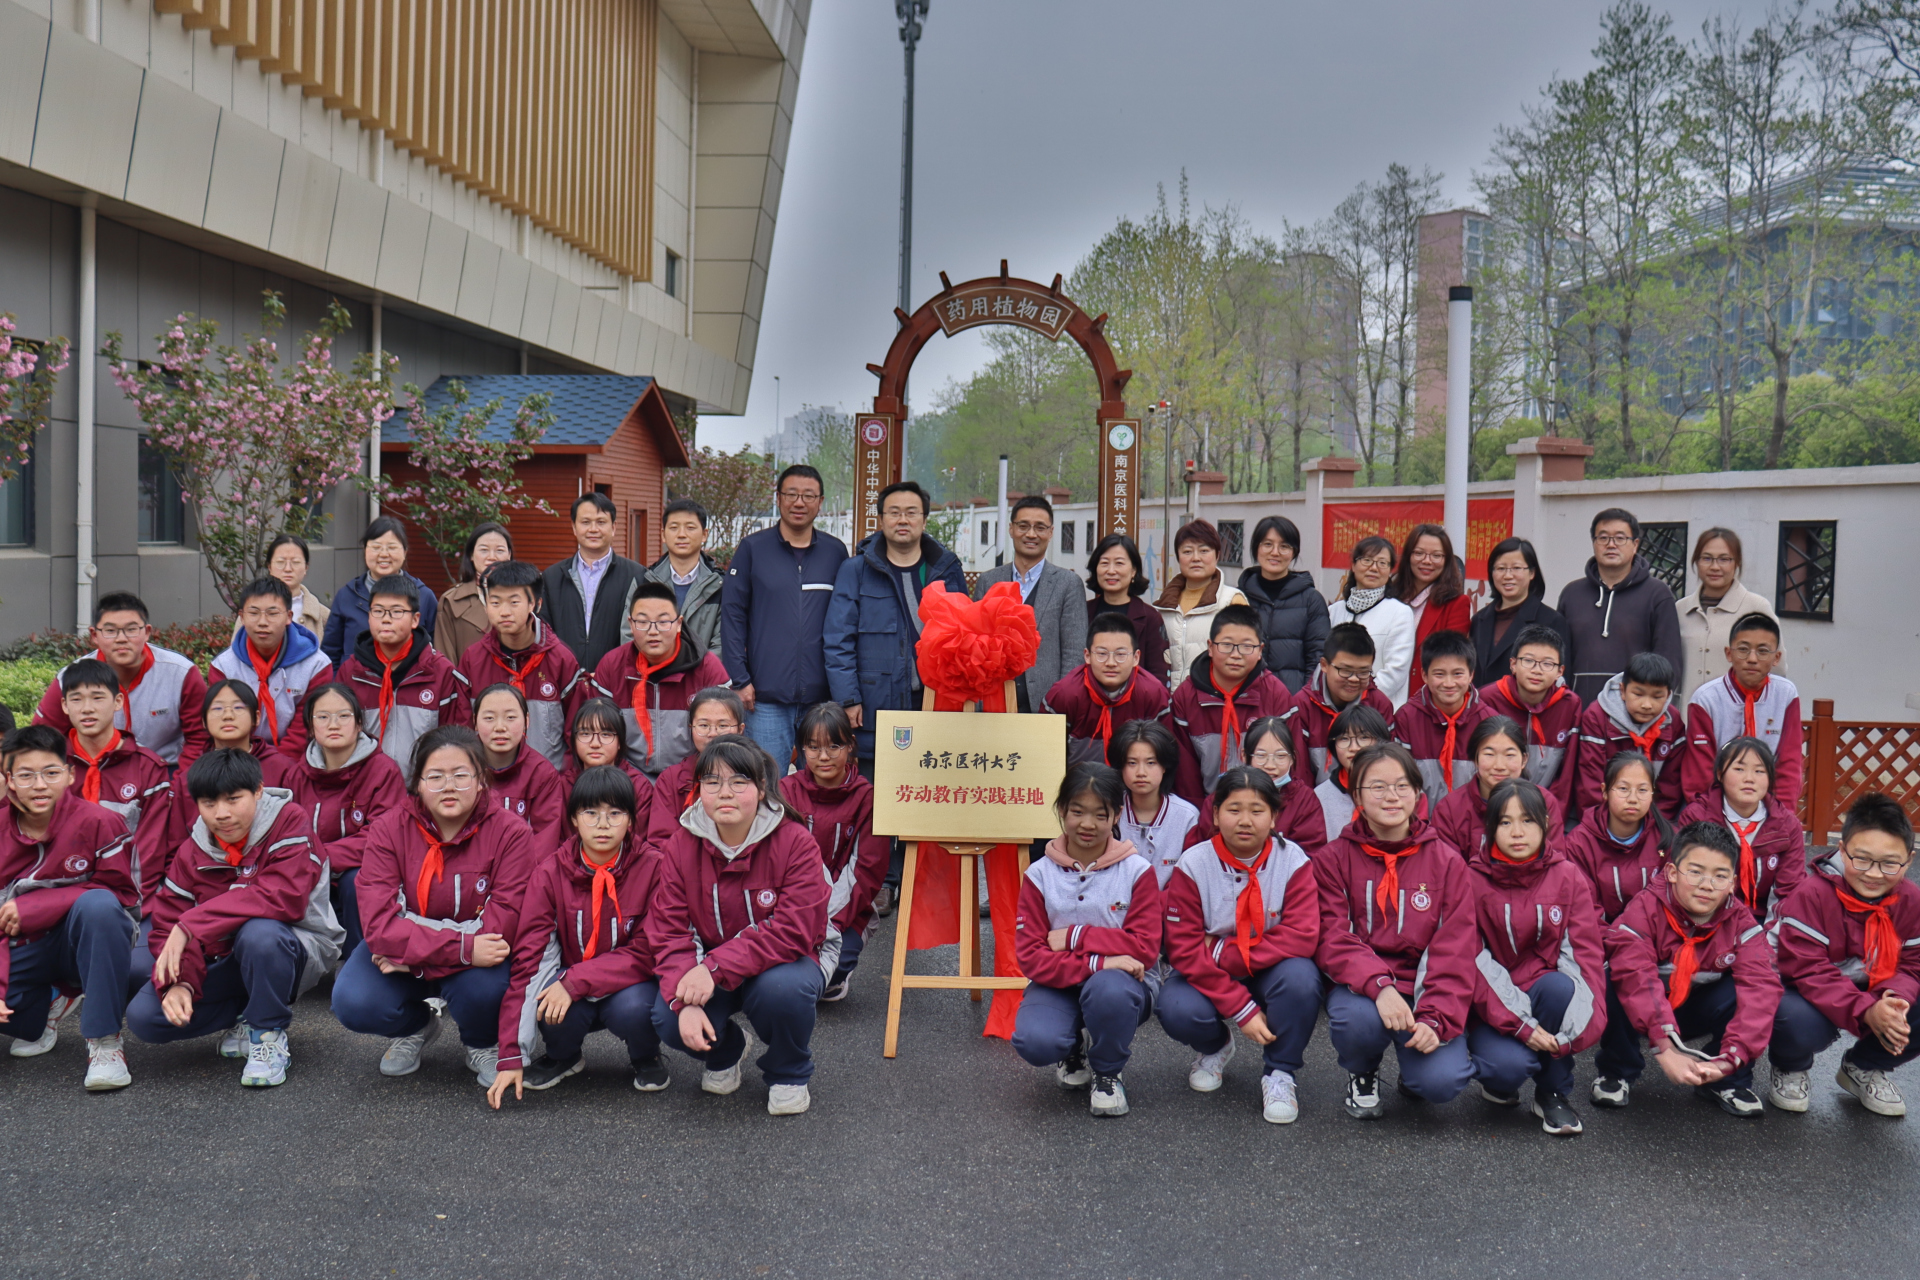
[874,431]
[1120,437]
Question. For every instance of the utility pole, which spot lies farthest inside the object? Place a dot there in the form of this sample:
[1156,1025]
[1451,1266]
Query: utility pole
[911,14]
[1163,413]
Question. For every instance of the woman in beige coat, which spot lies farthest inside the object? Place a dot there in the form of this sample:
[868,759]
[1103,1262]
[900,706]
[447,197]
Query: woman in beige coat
[1708,615]
[287,560]
[1194,595]
[463,610]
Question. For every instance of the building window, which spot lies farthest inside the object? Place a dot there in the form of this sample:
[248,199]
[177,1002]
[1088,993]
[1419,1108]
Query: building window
[986,535]
[16,506]
[673,274]
[1091,544]
[162,513]
[1664,544]
[1068,530]
[1233,534]
[1803,581]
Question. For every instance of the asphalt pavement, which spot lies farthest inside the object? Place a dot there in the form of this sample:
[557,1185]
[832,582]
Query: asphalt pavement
[954,1159]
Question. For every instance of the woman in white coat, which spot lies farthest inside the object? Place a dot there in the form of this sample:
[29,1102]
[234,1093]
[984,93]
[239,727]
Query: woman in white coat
[1709,613]
[1363,599]
[1194,595]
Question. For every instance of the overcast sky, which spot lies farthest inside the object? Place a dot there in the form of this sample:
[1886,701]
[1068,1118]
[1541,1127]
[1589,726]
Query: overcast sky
[1041,122]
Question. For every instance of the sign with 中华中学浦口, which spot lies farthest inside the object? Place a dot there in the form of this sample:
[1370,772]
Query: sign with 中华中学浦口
[876,464]
[967,776]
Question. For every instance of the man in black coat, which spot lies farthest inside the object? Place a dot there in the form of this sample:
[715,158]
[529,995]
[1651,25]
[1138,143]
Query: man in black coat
[585,598]
[1617,609]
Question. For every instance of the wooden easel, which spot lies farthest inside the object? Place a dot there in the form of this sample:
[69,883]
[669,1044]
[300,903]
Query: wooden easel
[969,978]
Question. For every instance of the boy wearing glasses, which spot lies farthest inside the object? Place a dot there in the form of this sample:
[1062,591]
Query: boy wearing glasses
[1343,679]
[1748,702]
[1849,946]
[1054,593]
[406,687]
[1227,688]
[68,898]
[1617,609]
[654,679]
[519,648]
[275,659]
[1533,695]
[164,690]
[1106,691]
[1634,712]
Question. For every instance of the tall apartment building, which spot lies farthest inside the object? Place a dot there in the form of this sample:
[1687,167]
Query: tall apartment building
[1452,246]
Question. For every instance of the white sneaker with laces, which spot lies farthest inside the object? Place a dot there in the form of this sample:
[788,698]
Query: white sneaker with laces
[725,1082]
[1790,1090]
[1209,1070]
[61,1007]
[267,1059]
[402,1057]
[788,1099]
[34,1048]
[485,1065]
[107,1065]
[1874,1089]
[236,1040]
[1280,1098]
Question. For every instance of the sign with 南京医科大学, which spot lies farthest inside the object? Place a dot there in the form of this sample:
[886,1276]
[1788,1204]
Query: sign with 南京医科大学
[975,777]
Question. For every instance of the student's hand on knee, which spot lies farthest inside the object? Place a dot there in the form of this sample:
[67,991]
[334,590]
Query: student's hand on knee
[1395,1014]
[498,1089]
[1057,939]
[696,1032]
[1886,1018]
[1125,964]
[696,987]
[1424,1039]
[1543,1041]
[385,965]
[1257,1030]
[489,949]
[177,1004]
[10,918]
[554,1003]
[166,965]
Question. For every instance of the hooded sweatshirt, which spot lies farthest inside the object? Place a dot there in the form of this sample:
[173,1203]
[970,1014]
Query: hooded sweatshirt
[298,667]
[137,785]
[1606,625]
[420,693]
[344,802]
[1421,942]
[1615,871]
[1082,700]
[1779,847]
[1552,730]
[1536,918]
[477,886]
[1312,715]
[1109,908]
[662,738]
[1301,819]
[1421,727]
[85,848]
[1717,715]
[841,820]
[1606,730]
[1208,744]
[1461,819]
[1202,902]
[1642,945]
[558,919]
[1823,945]
[545,671]
[530,790]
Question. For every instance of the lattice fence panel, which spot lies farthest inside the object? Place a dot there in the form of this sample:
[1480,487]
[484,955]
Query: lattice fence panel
[1878,757]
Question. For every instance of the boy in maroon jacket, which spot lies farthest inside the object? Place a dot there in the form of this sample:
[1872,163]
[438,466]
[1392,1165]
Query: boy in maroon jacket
[1227,688]
[653,679]
[69,895]
[1344,677]
[1748,702]
[1849,948]
[1439,719]
[1534,696]
[1634,711]
[113,771]
[407,689]
[1688,959]
[1108,690]
[518,648]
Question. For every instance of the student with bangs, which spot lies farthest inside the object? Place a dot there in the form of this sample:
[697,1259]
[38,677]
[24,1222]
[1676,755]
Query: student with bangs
[653,680]
[1353,731]
[1154,820]
[1499,751]
[519,779]
[835,803]
[1773,845]
[228,715]
[519,648]
[1299,818]
[713,713]
[112,770]
[1344,678]
[1438,720]
[1533,695]
[1227,688]
[597,736]
[276,658]
[1634,711]
[1108,690]
[405,686]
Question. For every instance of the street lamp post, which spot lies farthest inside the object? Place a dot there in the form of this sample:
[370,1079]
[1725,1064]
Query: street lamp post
[911,14]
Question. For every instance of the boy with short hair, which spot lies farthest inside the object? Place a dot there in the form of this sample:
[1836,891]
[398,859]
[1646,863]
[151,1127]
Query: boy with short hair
[242,924]
[1344,677]
[691,572]
[653,680]
[277,660]
[520,649]
[1633,712]
[1227,688]
[1436,722]
[113,771]
[1849,948]
[1108,689]
[69,894]
[1535,697]
[1748,702]
[406,687]
[165,691]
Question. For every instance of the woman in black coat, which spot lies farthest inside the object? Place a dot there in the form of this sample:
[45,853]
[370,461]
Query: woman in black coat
[1293,613]
[1513,570]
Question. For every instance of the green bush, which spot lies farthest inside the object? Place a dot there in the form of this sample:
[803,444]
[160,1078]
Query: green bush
[46,646]
[23,680]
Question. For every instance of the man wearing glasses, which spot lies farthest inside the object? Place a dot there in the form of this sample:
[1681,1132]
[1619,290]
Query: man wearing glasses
[164,690]
[1617,609]
[1056,596]
[773,614]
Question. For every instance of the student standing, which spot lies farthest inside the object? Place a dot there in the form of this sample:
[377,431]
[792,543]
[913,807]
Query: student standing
[1153,819]
[653,680]
[275,659]
[1432,582]
[463,609]
[519,779]
[1117,583]
[1634,712]
[1293,613]
[522,650]
[1228,688]
[110,769]
[406,688]
[1499,752]
[1109,689]
[383,552]
[1772,844]
[586,597]
[1707,616]
[1617,609]
[1344,679]
[1533,695]
[1051,591]
[1749,701]
[164,690]
[1354,730]
[1513,571]
[1365,599]
[1437,722]
[835,803]
[690,571]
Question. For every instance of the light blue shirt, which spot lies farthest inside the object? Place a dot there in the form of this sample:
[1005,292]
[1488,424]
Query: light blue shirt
[592,574]
[1030,579]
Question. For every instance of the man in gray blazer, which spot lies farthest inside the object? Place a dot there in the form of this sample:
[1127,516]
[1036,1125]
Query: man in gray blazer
[1057,596]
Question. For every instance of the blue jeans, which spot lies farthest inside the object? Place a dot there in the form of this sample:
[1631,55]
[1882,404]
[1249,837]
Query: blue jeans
[257,982]
[1288,994]
[772,725]
[1801,1031]
[627,1013]
[1360,1041]
[1503,1063]
[395,1004]
[779,1002]
[851,945]
[91,949]
[1111,1005]
[345,892]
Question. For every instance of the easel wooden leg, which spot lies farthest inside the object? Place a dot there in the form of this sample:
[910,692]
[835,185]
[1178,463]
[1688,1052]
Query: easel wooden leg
[970,922]
[902,924]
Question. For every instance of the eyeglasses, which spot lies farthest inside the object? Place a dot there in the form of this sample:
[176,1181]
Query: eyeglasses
[1630,791]
[334,717]
[1032,526]
[1867,866]
[1354,675]
[1381,790]
[1112,655]
[830,749]
[1373,562]
[1706,879]
[1760,651]
[655,624]
[1538,664]
[1242,650]
[1429,557]
[1261,759]
[602,817]
[122,633]
[596,735]
[1613,539]
[459,780]
[389,615]
[1355,742]
[798,495]
[732,784]
[1718,562]
[715,726]
[50,775]
[902,513]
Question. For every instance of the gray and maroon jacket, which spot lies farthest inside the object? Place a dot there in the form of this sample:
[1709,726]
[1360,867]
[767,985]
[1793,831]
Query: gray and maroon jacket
[1536,918]
[545,671]
[1461,819]
[1822,946]
[1301,818]
[427,693]
[1553,734]
[165,711]
[530,790]
[298,667]
[1617,872]
[1112,908]
[1163,840]
[669,691]
[1717,715]
[344,802]
[1312,716]
[1198,714]
[483,881]
[1421,728]
[86,848]
[1143,698]
[1606,730]
[136,784]
[841,820]
[1641,945]
[1200,900]
[1779,849]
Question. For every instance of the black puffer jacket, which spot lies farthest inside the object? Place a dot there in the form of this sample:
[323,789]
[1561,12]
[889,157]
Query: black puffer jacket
[1293,622]
[1606,626]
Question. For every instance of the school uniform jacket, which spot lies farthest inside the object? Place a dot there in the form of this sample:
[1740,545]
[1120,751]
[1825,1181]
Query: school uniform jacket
[1110,908]
[841,820]
[1421,728]
[1779,849]
[1641,945]
[1717,715]
[1200,928]
[298,667]
[1079,697]
[1312,716]
[1536,918]
[545,671]
[165,709]
[1606,730]
[1552,730]
[667,739]
[530,790]
[1162,841]
[643,786]
[1336,805]
[85,848]
[480,889]
[427,692]
[1616,872]
[1422,943]
[1822,946]
[1300,819]
[1461,819]
[1197,715]
[343,803]
[281,875]
[556,923]
[138,786]
[740,916]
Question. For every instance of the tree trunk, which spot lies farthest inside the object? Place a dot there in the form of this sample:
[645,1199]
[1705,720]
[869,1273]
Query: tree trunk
[1782,370]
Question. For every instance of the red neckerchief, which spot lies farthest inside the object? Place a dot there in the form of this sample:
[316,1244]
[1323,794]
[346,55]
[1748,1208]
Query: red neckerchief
[262,669]
[1883,940]
[1099,696]
[1229,723]
[433,867]
[1493,851]
[603,887]
[1451,741]
[518,679]
[1388,893]
[1645,741]
[234,852]
[386,679]
[1686,961]
[1511,692]
[146,665]
[1747,698]
[1250,908]
[1749,864]
[90,785]
[645,673]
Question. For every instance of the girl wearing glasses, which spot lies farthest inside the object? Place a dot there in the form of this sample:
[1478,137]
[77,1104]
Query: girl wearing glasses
[1498,749]
[739,925]
[1354,730]
[581,962]
[1773,846]
[599,736]
[443,878]
[1297,816]
[836,804]
[230,712]
[519,779]
[1396,905]
[713,713]
[1365,598]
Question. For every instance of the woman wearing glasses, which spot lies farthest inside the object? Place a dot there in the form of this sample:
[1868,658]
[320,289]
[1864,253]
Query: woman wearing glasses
[1519,591]
[1193,597]
[1364,598]
[1707,616]
[442,878]
[383,550]
[1433,583]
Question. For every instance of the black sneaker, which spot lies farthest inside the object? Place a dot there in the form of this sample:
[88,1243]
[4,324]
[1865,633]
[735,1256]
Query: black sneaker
[1363,1098]
[544,1072]
[651,1076]
[1557,1115]
[1744,1103]
[1611,1091]
[1074,1073]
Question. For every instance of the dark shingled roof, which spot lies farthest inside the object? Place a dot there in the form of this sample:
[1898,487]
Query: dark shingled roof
[587,408]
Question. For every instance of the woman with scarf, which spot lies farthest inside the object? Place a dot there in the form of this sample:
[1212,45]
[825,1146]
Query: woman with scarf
[1365,599]
[1433,584]
[1192,598]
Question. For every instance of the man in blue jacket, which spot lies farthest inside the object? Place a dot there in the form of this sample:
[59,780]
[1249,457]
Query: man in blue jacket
[773,614]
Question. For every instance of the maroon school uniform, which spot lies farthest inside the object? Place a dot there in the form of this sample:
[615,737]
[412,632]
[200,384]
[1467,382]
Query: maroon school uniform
[424,900]
[1461,819]
[1094,714]
[1617,872]
[1773,850]
[1552,730]
[86,847]
[1209,744]
[670,795]
[1312,716]
[1439,741]
[402,702]
[1606,730]
[841,820]
[131,781]
[1109,908]
[1824,951]
[1535,918]
[530,790]
[342,803]
[545,671]
[1201,902]
[657,725]
[1721,710]
[1301,818]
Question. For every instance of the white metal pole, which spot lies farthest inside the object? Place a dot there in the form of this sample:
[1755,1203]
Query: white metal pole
[373,446]
[1459,428]
[1002,543]
[86,395]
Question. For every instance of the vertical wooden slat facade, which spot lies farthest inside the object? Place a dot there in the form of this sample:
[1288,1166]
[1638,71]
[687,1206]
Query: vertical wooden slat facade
[546,106]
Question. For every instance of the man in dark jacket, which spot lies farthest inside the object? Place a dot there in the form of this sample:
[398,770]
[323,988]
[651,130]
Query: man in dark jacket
[585,598]
[773,613]
[873,621]
[691,572]
[1617,609]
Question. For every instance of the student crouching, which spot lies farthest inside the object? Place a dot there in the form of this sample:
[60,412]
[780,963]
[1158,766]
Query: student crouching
[835,803]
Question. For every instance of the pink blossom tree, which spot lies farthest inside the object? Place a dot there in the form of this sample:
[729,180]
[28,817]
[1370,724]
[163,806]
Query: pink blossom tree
[255,453]
[26,389]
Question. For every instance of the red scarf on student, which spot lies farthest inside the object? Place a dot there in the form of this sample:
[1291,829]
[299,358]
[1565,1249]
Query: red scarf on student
[518,679]
[1883,939]
[263,668]
[146,665]
[1229,724]
[1686,961]
[90,785]
[1511,692]
[603,887]
[1749,864]
[1099,696]
[234,852]
[386,679]
[645,673]
[1250,908]
[432,868]
[1388,891]
[1747,698]
[1645,741]
[1451,741]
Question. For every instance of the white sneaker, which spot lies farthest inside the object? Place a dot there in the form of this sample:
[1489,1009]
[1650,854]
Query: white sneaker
[1209,1070]
[725,1082]
[1280,1098]
[485,1065]
[107,1065]
[1874,1089]
[236,1041]
[788,1099]
[1790,1090]
[402,1057]
[1074,1073]
[267,1059]
[61,1007]
[34,1048]
[1109,1097]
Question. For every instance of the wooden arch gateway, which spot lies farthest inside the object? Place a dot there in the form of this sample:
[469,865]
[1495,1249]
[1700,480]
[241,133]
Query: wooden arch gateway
[1001,299]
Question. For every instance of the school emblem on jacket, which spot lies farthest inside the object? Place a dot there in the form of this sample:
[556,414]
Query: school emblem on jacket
[1421,899]
[357,817]
[1727,960]
[480,885]
[75,863]
[127,790]
[765,897]
[426,697]
[247,870]
[546,690]
[902,737]
[1553,914]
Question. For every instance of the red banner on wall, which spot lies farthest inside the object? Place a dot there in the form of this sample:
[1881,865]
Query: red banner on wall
[1489,521]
